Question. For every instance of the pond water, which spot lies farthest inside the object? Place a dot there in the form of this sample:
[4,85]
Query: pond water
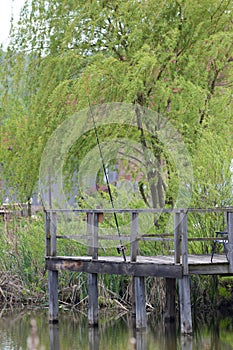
[30,330]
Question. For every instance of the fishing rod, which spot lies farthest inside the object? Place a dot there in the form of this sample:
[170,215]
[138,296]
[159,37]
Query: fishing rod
[121,248]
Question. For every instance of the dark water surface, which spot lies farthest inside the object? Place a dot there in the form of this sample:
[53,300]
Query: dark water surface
[30,330]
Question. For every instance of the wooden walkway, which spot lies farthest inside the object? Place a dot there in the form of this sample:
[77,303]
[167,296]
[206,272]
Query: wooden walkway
[177,264]
[157,266]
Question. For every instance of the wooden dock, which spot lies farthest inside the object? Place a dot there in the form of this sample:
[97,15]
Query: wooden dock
[176,264]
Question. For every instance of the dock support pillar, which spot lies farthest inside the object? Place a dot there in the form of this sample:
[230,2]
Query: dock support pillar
[170,308]
[133,255]
[140,302]
[53,296]
[92,299]
[92,231]
[185,306]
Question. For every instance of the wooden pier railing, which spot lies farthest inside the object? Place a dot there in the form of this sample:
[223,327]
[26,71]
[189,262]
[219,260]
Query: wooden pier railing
[175,263]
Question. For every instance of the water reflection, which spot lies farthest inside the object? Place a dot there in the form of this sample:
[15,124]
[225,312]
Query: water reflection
[54,336]
[93,333]
[170,336]
[186,342]
[31,330]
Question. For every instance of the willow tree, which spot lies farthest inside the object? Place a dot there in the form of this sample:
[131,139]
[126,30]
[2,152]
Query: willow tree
[174,58]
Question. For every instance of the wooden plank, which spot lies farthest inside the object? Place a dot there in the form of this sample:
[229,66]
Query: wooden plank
[209,269]
[100,237]
[92,299]
[199,259]
[158,239]
[170,307]
[230,240]
[53,296]
[111,267]
[185,306]
[149,210]
[140,302]
[141,238]
[201,239]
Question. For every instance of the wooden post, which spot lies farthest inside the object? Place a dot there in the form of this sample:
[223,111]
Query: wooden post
[140,302]
[177,237]
[184,235]
[133,254]
[90,217]
[170,307]
[92,299]
[53,296]
[92,277]
[53,275]
[53,234]
[47,234]
[230,240]
[133,237]
[92,235]
[185,306]
[184,283]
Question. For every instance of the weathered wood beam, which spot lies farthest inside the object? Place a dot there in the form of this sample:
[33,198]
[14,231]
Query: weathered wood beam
[133,237]
[149,210]
[53,234]
[185,306]
[47,234]
[92,299]
[209,269]
[177,237]
[114,268]
[140,301]
[133,256]
[92,250]
[51,228]
[53,296]
[184,235]
[170,307]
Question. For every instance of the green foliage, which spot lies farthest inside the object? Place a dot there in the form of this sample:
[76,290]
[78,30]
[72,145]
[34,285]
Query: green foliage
[173,58]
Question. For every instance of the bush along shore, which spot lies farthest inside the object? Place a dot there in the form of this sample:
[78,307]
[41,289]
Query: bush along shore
[23,278]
